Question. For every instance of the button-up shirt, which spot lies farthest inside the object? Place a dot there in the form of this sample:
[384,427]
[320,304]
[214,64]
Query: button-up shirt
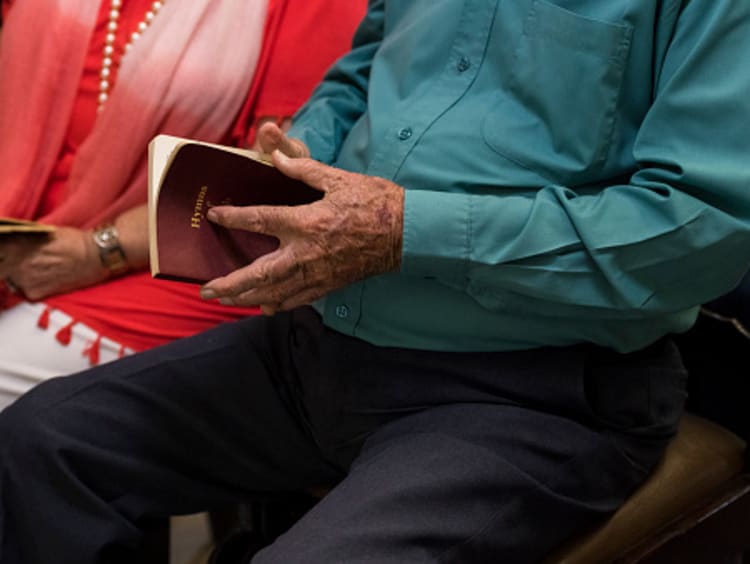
[574,170]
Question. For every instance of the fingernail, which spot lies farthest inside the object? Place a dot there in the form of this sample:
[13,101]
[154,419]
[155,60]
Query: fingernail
[211,215]
[281,156]
[226,301]
[208,294]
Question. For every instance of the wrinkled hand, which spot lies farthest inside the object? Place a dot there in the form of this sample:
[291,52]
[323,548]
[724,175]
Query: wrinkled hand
[65,261]
[354,232]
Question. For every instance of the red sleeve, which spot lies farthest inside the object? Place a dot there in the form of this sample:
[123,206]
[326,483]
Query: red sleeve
[312,35]
[4,9]
[302,38]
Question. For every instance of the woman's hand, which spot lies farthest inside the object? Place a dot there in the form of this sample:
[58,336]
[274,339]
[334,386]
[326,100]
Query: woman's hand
[67,260]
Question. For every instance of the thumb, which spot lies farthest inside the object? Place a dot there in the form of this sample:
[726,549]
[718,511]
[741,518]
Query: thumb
[272,138]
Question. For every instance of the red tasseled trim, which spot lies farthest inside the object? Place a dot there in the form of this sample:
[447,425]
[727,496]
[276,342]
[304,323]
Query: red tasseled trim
[92,350]
[43,321]
[64,335]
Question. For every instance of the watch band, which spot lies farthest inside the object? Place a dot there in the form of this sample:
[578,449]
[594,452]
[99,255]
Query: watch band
[111,253]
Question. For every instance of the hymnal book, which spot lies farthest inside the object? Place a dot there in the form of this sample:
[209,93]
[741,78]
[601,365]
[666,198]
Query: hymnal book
[186,178]
[11,226]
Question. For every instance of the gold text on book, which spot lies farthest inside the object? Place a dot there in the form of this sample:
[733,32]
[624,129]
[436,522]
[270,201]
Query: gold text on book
[195,220]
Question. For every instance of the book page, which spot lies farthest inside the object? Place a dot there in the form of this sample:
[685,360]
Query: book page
[160,149]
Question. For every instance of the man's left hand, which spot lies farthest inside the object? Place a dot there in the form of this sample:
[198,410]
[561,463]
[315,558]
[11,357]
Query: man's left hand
[354,232]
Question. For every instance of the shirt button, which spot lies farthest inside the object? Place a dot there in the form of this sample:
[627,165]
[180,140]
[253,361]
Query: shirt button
[404,133]
[463,64]
[342,311]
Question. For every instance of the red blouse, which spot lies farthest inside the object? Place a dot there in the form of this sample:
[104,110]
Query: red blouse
[137,310]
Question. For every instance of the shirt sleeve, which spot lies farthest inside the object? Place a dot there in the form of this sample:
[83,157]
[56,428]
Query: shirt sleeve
[674,235]
[4,9]
[341,98]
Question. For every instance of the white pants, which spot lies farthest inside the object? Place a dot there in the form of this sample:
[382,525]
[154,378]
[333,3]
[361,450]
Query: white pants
[29,354]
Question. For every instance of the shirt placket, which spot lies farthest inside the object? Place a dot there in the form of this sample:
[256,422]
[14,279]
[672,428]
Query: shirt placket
[406,126]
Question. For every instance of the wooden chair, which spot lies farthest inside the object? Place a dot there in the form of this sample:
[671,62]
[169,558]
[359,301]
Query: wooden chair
[694,509]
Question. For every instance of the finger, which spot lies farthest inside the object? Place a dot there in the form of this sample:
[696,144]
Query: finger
[266,297]
[10,249]
[265,276]
[268,309]
[272,138]
[13,288]
[270,220]
[296,291]
[313,173]
[295,148]
[21,282]
[269,298]
[12,255]
[306,297]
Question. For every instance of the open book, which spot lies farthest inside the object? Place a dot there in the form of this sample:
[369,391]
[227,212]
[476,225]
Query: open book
[186,178]
[9,226]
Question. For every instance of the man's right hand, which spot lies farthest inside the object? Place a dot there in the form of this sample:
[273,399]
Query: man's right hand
[354,232]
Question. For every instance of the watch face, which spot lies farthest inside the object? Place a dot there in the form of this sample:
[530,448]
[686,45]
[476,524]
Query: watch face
[106,236]
[110,252]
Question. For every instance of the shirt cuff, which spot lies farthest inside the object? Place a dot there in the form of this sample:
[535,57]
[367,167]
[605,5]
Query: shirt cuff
[437,234]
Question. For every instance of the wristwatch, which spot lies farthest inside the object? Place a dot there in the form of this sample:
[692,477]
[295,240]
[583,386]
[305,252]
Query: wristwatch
[110,252]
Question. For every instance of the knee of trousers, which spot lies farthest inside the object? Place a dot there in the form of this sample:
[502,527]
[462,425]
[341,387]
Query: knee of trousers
[28,430]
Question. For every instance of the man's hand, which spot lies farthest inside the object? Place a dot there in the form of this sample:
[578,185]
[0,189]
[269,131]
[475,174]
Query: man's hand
[354,232]
[67,260]
[272,138]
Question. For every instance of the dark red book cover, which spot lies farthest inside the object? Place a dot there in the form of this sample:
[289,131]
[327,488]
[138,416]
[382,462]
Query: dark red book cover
[185,245]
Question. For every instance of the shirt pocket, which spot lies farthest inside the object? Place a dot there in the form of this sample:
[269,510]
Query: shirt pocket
[557,114]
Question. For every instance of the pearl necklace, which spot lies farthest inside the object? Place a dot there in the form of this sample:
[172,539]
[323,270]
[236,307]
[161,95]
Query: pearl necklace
[109,44]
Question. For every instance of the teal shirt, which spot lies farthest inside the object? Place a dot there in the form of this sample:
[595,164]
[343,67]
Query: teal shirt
[574,170]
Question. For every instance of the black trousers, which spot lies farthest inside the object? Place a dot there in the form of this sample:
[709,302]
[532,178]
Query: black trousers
[437,457]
